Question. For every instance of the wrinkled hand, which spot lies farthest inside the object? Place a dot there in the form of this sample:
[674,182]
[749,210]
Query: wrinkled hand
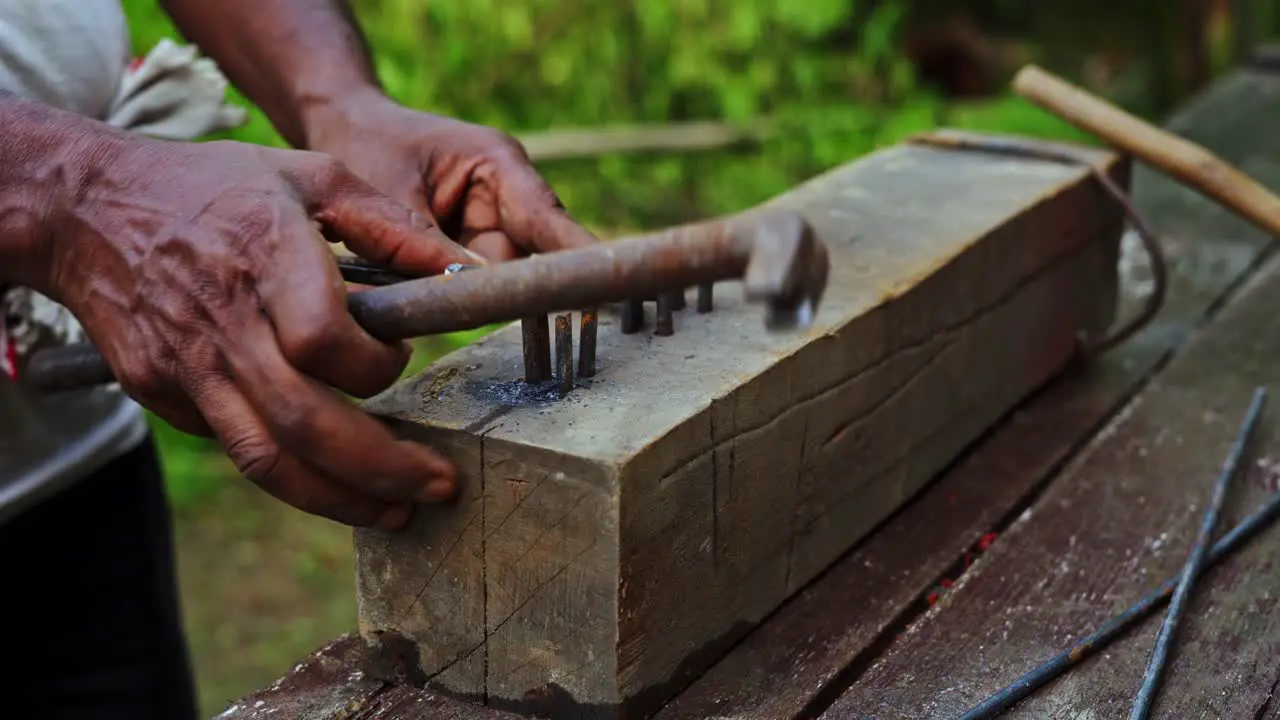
[477,183]
[200,273]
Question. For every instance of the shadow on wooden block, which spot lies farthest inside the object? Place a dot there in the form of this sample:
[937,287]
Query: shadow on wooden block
[612,542]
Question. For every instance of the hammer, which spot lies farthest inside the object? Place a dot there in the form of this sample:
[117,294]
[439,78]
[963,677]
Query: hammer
[775,253]
[1175,156]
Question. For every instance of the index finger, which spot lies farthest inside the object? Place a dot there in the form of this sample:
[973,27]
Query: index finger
[379,229]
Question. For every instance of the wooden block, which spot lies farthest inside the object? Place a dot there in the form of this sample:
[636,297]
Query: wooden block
[612,542]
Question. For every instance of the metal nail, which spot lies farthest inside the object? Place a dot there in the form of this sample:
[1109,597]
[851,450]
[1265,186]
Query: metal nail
[537,349]
[587,344]
[665,324]
[704,298]
[632,317]
[564,351]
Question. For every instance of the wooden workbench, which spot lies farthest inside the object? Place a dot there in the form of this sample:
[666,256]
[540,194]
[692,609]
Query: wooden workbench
[1080,502]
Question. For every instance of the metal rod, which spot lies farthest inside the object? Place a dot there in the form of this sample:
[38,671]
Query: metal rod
[665,323]
[564,351]
[632,317]
[587,343]
[361,271]
[554,282]
[776,255]
[705,292]
[536,341]
[364,272]
[1195,562]
[1116,626]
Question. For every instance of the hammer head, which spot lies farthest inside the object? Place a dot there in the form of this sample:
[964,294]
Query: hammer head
[787,270]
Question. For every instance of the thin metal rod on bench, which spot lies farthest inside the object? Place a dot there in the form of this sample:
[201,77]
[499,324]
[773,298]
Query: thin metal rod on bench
[1118,625]
[1195,563]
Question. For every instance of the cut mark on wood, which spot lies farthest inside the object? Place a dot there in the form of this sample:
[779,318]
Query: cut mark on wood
[426,584]
[548,529]
[533,488]
[837,435]
[484,566]
[801,471]
[715,489]
[490,632]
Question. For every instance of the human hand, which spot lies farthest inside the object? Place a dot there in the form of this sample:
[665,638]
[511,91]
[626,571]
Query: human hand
[200,273]
[477,183]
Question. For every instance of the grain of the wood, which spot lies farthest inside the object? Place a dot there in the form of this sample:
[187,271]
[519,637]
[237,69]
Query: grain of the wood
[1111,529]
[804,652]
[610,542]
[1182,159]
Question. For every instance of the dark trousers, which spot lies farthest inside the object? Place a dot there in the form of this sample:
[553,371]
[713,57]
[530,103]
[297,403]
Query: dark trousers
[89,603]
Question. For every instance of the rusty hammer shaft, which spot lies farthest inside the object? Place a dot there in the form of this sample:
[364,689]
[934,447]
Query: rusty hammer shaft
[775,253]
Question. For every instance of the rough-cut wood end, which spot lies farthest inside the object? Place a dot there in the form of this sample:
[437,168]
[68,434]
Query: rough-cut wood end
[611,542]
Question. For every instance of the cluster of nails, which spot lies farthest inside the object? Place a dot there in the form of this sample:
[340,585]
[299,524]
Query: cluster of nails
[537,348]
[668,304]
[537,336]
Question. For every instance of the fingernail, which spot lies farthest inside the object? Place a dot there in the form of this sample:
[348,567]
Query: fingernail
[395,517]
[438,490]
[480,259]
[442,486]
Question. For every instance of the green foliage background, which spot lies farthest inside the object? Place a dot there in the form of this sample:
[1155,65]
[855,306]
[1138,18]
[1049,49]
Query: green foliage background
[828,70]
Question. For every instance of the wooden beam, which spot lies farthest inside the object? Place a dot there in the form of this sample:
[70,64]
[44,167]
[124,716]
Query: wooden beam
[611,543]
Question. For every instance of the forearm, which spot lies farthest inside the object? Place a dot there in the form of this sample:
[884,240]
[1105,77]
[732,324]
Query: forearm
[295,59]
[48,161]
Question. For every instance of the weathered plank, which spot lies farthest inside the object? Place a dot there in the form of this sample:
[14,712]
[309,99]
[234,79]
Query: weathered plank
[609,542]
[824,636]
[330,686]
[1115,525]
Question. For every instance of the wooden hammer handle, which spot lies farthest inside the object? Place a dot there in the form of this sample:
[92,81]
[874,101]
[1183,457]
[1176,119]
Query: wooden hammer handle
[1175,156]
